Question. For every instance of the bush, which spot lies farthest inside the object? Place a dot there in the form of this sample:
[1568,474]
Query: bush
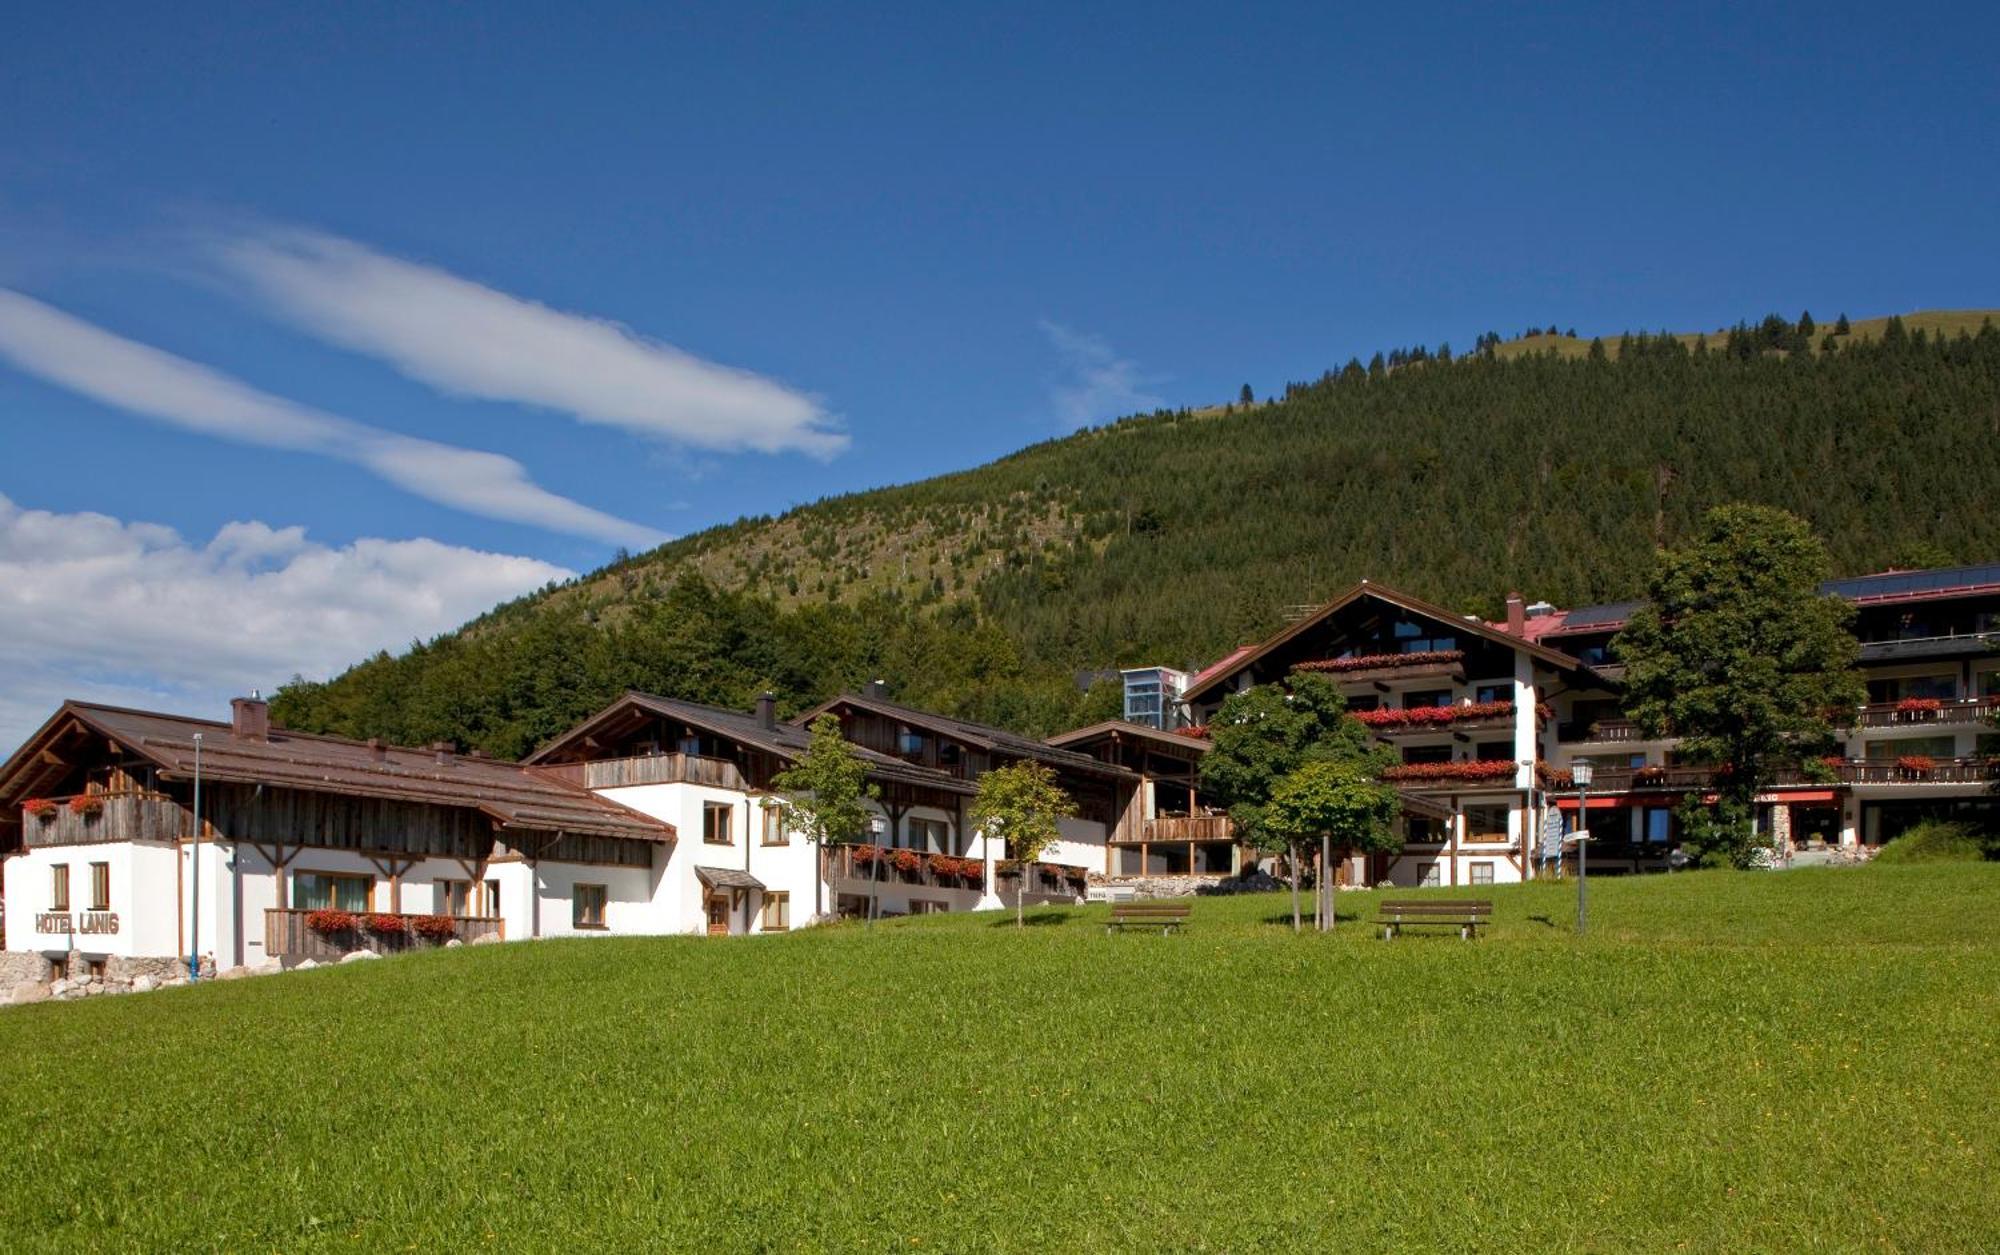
[1935,841]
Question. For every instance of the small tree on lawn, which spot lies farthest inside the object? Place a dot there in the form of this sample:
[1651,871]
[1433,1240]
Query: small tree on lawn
[1264,734]
[1341,802]
[1021,804]
[825,796]
[1739,655]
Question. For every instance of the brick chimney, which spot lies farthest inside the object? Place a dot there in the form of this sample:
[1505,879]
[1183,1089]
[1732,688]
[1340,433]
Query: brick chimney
[377,752]
[446,751]
[1517,615]
[250,718]
[767,710]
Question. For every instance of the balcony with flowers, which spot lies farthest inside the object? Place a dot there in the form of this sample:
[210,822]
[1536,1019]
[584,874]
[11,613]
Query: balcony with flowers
[1463,717]
[1433,664]
[323,935]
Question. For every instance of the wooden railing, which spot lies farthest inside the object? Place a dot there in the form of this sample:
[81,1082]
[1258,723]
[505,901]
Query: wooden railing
[116,817]
[850,864]
[287,936]
[1976,769]
[1959,710]
[1606,730]
[617,773]
[1044,886]
[1189,828]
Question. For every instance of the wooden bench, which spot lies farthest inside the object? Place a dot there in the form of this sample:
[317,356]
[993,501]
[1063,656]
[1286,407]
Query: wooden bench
[1165,916]
[1466,917]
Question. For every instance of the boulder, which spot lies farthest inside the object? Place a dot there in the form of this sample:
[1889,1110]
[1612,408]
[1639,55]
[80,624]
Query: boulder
[453,944]
[486,939]
[304,965]
[233,973]
[355,956]
[59,987]
[144,984]
[269,967]
[29,991]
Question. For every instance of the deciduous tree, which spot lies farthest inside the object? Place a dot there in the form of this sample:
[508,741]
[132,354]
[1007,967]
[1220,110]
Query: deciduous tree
[1264,734]
[1341,802]
[1022,805]
[825,795]
[1739,655]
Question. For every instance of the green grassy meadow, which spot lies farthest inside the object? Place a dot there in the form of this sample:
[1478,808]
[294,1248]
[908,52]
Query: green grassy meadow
[1734,1061]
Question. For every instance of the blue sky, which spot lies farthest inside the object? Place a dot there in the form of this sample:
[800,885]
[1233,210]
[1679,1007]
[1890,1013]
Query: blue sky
[473,297]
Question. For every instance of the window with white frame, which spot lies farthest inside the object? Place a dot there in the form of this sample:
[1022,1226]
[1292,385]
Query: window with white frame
[1482,873]
[1433,876]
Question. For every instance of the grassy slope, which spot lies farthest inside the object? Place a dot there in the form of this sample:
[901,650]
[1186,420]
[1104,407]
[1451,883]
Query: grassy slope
[1731,1061]
[1949,322]
[874,541]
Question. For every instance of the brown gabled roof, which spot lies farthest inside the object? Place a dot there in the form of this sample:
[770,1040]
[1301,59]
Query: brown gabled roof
[1169,740]
[1415,605]
[985,736]
[782,740]
[513,796]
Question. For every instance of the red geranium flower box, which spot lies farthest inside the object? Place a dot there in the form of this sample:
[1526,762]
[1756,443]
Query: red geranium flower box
[40,807]
[86,804]
[1491,769]
[1917,764]
[327,922]
[1426,716]
[388,925]
[435,927]
[1370,662]
[1919,706]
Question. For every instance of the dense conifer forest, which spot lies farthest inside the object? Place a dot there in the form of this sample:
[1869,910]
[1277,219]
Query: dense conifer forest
[1168,538]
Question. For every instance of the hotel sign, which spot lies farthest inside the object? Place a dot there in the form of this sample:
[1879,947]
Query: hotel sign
[87,922]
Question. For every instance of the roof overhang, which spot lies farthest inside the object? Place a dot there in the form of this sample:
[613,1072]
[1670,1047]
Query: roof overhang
[727,878]
[1402,601]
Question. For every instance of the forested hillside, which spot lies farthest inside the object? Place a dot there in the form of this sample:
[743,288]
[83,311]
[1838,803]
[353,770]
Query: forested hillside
[1172,537]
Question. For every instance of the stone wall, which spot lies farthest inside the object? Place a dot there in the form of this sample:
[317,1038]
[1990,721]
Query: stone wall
[22,967]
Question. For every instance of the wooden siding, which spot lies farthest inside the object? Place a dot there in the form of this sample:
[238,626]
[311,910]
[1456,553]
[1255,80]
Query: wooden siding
[1190,828]
[125,817]
[338,822]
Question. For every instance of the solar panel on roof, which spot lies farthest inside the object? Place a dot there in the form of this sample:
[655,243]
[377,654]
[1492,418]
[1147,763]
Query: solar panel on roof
[1615,613]
[1906,582]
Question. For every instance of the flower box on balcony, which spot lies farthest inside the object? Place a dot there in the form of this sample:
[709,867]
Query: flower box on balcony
[1917,709]
[1916,764]
[434,927]
[1481,770]
[88,805]
[1434,716]
[1370,666]
[332,923]
[41,808]
[388,925]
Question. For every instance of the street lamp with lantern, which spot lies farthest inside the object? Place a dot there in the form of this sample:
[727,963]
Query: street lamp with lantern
[876,827]
[1580,772]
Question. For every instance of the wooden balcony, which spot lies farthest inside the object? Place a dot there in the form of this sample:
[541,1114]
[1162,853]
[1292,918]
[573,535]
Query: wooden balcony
[873,863]
[1189,828]
[618,773]
[1975,770]
[287,936]
[1604,732]
[116,817]
[1951,713]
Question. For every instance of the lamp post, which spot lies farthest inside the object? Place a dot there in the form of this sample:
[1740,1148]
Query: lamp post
[1580,772]
[194,874]
[876,827]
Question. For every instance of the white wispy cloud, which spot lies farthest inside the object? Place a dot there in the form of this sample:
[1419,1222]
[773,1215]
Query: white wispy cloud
[465,338]
[131,612]
[45,342]
[1097,384]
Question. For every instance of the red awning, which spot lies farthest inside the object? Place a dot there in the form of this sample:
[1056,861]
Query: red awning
[1613,802]
[1803,795]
